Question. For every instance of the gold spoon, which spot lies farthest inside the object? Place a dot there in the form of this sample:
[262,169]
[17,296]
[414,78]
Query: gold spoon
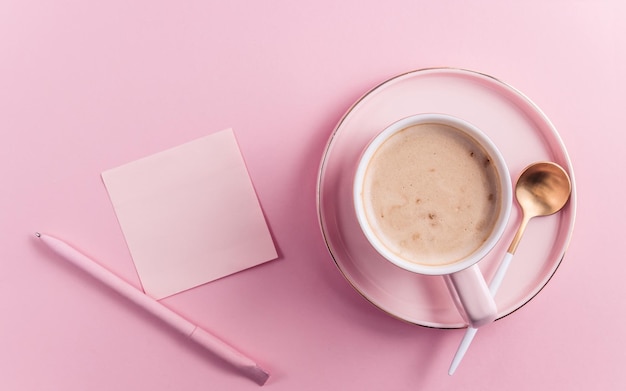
[542,189]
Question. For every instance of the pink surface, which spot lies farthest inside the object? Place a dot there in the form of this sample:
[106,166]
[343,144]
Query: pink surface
[85,87]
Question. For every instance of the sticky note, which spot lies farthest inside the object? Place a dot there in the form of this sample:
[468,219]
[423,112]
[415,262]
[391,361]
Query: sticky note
[189,214]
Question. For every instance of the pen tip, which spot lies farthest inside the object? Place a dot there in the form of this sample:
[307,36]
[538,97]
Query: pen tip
[258,374]
[37,234]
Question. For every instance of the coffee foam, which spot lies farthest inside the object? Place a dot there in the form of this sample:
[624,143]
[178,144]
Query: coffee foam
[431,194]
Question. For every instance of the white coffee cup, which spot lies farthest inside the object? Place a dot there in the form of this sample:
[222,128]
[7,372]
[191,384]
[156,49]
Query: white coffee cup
[433,195]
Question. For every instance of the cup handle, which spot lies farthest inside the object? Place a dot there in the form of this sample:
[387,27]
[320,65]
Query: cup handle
[471,296]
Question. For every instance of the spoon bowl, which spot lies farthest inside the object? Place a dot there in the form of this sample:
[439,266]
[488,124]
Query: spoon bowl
[545,187]
[542,189]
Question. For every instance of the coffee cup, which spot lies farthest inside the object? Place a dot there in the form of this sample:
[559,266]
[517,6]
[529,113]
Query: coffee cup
[433,195]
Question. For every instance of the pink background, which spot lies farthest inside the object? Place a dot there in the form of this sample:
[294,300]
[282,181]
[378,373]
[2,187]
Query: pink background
[87,86]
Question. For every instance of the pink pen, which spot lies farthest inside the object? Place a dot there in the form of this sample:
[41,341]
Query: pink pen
[202,337]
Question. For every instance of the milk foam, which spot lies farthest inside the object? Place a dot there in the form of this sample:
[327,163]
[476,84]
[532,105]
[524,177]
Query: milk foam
[431,194]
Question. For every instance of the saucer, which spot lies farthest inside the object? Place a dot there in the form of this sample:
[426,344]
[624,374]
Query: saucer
[522,133]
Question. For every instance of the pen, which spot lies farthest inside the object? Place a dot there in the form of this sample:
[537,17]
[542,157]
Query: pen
[210,342]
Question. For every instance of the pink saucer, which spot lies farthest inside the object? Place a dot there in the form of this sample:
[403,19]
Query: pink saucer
[522,133]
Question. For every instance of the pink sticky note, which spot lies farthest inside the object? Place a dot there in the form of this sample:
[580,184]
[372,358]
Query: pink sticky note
[189,214]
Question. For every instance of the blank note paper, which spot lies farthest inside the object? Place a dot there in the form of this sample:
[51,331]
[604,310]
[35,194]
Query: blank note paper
[189,214]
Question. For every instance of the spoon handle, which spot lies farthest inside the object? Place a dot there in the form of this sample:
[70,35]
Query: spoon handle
[496,281]
[494,285]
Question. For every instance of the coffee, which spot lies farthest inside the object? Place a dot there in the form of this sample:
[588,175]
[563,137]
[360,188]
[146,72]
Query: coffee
[431,194]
